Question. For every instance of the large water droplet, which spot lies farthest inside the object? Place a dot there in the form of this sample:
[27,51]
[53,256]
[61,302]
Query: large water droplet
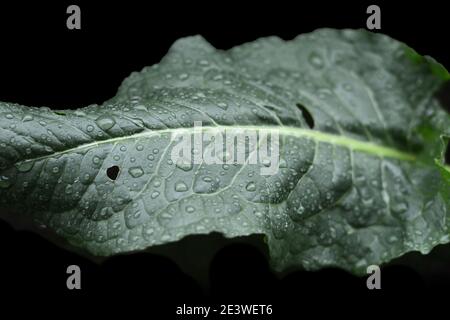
[25,166]
[27,118]
[155,194]
[184,165]
[105,122]
[136,172]
[207,179]
[181,187]
[251,187]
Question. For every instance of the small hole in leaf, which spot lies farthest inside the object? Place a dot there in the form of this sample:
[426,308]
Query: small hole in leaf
[306,115]
[112,172]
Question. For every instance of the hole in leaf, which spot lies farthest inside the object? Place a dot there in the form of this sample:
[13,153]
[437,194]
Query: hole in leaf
[112,172]
[306,115]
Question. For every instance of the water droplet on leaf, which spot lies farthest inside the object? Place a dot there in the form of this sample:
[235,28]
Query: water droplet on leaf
[136,172]
[105,122]
[181,187]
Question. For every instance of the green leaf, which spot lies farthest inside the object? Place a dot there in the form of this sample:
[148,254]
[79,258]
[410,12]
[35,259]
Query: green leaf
[361,176]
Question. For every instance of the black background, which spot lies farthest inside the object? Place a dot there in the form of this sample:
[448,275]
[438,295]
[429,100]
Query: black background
[42,63]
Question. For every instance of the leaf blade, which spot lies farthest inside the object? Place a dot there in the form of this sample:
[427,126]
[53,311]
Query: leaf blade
[361,188]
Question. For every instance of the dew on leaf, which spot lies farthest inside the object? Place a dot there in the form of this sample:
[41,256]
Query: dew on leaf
[27,118]
[184,165]
[149,231]
[155,194]
[316,60]
[183,76]
[181,187]
[25,166]
[251,187]
[136,172]
[207,179]
[105,122]
[222,105]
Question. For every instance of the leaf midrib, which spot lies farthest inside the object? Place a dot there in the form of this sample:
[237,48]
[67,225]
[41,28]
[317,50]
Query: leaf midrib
[353,144]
